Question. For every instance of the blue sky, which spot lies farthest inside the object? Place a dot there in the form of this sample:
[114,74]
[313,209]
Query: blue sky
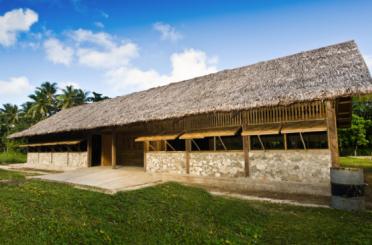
[117,47]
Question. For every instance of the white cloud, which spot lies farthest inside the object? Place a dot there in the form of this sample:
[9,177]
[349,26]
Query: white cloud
[167,31]
[14,22]
[62,85]
[100,50]
[191,63]
[185,65]
[15,89]
[99,24]
[81,36]
[128,79]
[111,58]
[57,52]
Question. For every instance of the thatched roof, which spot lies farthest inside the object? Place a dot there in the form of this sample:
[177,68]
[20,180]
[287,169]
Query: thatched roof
[334,71]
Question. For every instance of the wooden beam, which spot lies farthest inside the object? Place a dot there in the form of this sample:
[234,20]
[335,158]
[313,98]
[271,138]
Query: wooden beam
[223,144]
[188,150]
[332,133]
[303,141]
[261,143]
[345,102]
[246,147]
[170,146]
[114,149]
[89,150]
[146,147]
[196,145]
[151,146]
[285,142]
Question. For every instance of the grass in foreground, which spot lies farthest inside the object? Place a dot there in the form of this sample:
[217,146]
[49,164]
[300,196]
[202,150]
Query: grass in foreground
[43,212]
[12,157]
[10,175]
[356,162]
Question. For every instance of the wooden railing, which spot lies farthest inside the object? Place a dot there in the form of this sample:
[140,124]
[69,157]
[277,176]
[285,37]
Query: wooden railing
[265,115]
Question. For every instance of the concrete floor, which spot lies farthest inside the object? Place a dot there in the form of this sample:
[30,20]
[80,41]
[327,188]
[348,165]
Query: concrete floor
[104,179]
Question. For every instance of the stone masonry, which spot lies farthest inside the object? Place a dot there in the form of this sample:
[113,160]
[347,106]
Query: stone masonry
[166,162]
[309,166]
[217,164]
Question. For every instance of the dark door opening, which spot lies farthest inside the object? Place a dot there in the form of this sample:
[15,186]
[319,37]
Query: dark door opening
[96,150]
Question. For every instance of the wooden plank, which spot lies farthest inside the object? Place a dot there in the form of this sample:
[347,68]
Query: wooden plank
[262,145]
[246,147]
[89,150]
[114,149]
[285,142]
[332,133]
[188,150]
[106,150]
[145,150]
[302,140]
[262,129]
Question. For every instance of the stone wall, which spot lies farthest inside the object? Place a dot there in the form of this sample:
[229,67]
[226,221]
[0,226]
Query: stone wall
[217,164]
[309,166]
[166,162]
[57,160]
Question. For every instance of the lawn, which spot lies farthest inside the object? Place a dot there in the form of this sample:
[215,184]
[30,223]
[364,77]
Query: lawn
[43,213]
[12,157]
[356,162]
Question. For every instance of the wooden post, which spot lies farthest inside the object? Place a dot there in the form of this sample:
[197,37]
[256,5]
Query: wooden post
[285,142]
[246,144]
[188,150]
[89,150]
[145,150]
[332,132]
[113,149]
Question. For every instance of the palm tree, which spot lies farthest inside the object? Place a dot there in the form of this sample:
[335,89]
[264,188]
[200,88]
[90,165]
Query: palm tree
[10,115]
[43,102]
[72,97]
[49,90]
[97,97]
[40,106]
[82,97]
[9,118]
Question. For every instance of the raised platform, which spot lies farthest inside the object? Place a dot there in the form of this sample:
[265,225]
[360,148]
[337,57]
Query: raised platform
[105,179]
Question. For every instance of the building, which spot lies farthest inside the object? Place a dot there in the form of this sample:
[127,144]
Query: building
[268,126]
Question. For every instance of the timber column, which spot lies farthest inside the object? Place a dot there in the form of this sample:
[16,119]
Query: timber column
[332,132]
[114,149]
[89,150]
[246,147]
[146,145]
[188,150]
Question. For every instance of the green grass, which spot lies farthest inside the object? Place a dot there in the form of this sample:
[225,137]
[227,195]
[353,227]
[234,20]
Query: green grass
[12,157]
[356,162]
[44,213]
[10,175]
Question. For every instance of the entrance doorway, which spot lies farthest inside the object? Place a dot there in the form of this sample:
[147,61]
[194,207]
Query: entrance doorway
[96,150]
[106,150]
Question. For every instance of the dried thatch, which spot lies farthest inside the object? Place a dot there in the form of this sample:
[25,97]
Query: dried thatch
[324,73]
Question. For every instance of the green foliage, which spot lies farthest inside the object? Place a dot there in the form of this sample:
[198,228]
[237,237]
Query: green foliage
[12,157]
[43,103]
[357,140]
[356,162]
[46,213]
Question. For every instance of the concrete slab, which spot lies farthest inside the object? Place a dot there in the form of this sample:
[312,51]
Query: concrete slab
[105,179]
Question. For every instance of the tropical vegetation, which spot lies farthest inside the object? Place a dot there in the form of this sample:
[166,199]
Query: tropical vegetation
[46,100]
[357,140]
